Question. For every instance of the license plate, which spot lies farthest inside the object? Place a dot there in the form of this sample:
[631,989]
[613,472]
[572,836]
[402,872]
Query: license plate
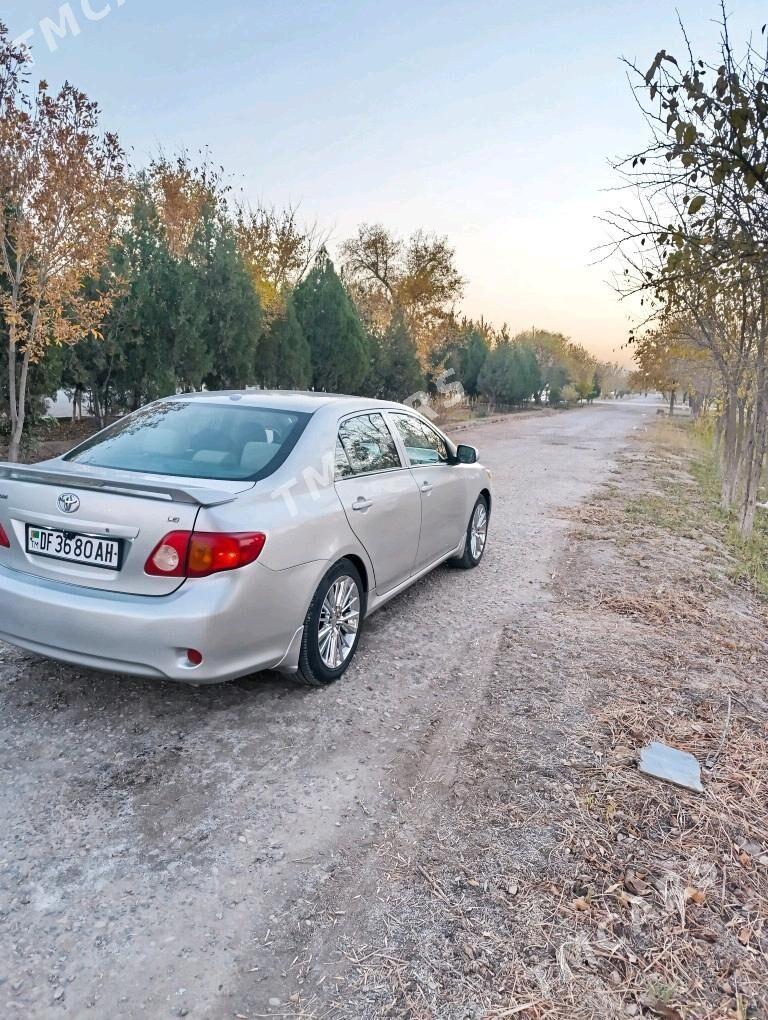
[74,548]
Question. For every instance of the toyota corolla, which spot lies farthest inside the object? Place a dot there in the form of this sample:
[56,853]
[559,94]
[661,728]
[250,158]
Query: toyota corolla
[212,535]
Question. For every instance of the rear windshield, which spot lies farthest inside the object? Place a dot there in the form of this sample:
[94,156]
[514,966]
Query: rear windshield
[197,440]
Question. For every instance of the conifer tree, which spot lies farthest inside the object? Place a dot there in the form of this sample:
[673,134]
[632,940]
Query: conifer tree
[395,372]
[333,330]
[284,359]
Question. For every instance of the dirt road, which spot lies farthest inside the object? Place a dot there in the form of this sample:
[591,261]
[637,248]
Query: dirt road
[158,842]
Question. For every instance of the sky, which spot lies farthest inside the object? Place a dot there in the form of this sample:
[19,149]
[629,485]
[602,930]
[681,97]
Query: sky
[493,123]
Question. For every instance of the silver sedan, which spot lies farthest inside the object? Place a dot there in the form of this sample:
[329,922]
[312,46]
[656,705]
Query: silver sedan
[211,535]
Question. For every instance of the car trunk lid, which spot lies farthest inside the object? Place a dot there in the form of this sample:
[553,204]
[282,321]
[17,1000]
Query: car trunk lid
[109,506]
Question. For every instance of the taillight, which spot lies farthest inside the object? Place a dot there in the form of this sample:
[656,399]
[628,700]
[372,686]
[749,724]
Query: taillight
[200,553]
[169,557]
[210,552]
[4,543]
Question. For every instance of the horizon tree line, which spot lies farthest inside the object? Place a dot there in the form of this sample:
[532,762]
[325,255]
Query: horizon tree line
[122,285]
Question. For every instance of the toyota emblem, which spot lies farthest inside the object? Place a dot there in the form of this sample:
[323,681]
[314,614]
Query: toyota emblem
[68,502]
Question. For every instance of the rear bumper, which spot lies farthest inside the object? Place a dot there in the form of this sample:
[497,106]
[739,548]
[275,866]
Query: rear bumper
[242,622]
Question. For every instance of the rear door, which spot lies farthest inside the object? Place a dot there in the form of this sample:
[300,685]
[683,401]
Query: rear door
[379,496]
[444,513]
[47,522]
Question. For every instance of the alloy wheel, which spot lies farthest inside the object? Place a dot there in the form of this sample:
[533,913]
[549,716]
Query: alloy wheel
[478,531]
[339,621]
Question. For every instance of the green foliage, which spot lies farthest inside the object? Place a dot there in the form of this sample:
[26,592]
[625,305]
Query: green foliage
[394,372]
[225,313]
[44,379]
[556,393]
[333,330]
[185,291]
[177,323]
[556,357]
[142,328]
[463,352]
[510,374]
[473,358]
[284,359]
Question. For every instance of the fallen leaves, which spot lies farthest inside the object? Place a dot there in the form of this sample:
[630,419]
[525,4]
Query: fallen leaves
[584,890]
[636,885]
[661,1009]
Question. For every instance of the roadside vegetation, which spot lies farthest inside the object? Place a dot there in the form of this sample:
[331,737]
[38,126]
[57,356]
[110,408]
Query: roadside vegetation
[750,554]
[694,239]
[689,512]
[122,284]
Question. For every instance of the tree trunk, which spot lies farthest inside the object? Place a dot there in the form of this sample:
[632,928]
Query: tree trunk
[741,428]
[718,433]
[729,454]
[671,402]
[755,453]
[96,405]
[20,397]
[753,471]
[12,382]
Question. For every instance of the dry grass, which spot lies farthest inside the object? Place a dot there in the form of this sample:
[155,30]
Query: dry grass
[594,514]
[686,874]
[659,609]
[554,881]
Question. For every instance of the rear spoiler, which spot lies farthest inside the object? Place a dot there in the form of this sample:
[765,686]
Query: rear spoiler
[145,490]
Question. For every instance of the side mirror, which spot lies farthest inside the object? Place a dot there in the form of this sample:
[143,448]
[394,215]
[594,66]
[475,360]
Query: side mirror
[466,454]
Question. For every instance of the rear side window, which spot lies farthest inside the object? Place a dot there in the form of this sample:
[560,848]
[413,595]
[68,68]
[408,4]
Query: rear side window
[423,445]
[191,438]
[365,444]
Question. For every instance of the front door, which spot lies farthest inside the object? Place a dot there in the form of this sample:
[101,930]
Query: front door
[380,497]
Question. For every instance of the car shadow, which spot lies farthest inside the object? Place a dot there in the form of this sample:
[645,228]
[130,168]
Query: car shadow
[36,683]
[39,684]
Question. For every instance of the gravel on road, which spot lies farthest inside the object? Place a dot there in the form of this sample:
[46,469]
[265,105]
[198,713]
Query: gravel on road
[154,837]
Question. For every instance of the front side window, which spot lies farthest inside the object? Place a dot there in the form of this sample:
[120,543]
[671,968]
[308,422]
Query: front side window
[192,438]
[365,444]
[423,445]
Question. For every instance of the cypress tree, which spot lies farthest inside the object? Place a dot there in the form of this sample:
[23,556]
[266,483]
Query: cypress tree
[332,328]
[473,359]
[394,372]
[142,324]
[230,312]
[284,359]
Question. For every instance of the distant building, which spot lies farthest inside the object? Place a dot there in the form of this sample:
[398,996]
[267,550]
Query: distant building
[61,407]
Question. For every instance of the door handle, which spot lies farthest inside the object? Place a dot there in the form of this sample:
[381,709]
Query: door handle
[426,486]
[362,504]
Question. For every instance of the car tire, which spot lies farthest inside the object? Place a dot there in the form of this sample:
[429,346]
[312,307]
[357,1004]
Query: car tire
[477,536]
[329,642]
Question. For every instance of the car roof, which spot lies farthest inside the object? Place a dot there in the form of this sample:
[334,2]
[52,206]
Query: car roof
[306,401]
